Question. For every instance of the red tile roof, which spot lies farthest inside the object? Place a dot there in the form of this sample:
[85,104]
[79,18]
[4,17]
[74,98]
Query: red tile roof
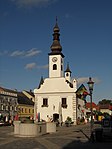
[88,105]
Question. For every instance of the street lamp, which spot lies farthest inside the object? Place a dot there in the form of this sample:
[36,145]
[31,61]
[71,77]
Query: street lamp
[90,85]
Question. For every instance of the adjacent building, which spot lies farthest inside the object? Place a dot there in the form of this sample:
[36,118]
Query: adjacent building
[29,94]
[25,106]
[105,108]
[8,104]
[15,104]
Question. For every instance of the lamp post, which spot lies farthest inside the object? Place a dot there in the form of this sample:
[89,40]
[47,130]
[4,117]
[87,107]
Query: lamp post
[90,85]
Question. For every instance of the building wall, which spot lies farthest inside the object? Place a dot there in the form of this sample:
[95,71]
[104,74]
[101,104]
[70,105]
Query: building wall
[54,106]
[80,108]
[25,111]
[106,111]
[54,89]
[8,103]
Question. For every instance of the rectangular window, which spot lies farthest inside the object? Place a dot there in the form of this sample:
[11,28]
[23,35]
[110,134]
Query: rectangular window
[64,103]
[25,110]
[2,107]
[7,108]
[45,102]
[22,110]
[61,67]
[15,108]
[10,108]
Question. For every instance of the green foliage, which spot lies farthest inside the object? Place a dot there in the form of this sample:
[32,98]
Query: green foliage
[106,115]
[105,101]
[99,113]
[69,119]
[82,120]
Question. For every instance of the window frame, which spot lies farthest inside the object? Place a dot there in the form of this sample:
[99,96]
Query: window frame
[45,102]
[64,102]
[54,67]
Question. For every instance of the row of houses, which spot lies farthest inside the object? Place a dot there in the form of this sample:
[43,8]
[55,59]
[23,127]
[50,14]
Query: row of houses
[102,108]
[14,104]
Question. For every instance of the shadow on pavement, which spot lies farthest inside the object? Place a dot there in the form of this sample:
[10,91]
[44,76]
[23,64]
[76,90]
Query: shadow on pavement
[78,144]
[85,135]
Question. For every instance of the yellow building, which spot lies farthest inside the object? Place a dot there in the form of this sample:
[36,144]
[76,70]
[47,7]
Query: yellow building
[25,106]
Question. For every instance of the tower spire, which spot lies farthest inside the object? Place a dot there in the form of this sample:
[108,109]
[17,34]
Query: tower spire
[56,47]
[56,19]
[68,69]
[68,73]
[41,82]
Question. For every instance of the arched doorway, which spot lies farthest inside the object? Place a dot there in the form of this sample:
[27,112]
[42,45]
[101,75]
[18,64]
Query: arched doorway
[55,117]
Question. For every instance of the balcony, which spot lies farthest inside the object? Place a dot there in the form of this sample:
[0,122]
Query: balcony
[64,105]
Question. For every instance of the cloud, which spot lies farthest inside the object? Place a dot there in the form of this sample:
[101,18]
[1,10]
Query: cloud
[25,53]
[31,66]
[82,80]
[17,53]
[32,3]
[35,66]
[86,79]
[32,52]
[43,67]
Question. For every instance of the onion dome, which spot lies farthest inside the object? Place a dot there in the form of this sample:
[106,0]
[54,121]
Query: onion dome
[56,48]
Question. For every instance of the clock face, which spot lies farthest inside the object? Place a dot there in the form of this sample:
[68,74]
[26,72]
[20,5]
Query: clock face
[54,59]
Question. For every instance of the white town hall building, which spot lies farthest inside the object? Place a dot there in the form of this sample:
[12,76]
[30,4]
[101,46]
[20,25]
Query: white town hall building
[55,97]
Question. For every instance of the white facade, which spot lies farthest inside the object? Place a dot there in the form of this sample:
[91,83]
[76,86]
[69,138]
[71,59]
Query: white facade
[106,111]
[54,89]
[56,97]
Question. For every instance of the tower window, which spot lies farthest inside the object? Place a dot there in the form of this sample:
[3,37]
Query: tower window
[61,60]
[67,75]
[54,67]
[61,67]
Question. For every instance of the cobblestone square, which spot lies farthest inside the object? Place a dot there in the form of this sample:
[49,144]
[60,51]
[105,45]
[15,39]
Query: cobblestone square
[64,138]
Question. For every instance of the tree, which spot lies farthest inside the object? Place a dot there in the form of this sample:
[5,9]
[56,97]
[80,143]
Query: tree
[105,101]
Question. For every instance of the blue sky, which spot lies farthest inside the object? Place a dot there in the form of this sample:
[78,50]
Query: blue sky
[26,28]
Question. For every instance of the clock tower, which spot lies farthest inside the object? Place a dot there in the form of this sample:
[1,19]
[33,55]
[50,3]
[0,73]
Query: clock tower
[55,96]
[55,56]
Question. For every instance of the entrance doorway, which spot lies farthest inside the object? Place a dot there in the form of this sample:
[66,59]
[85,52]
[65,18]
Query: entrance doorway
[55,117]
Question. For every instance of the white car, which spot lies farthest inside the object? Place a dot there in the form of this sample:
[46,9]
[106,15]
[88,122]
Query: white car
[1,123]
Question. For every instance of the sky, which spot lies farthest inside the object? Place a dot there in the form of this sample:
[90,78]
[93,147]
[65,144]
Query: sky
[26,28]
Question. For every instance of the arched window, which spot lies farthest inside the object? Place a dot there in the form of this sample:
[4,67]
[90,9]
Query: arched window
[67,74]
[54,67]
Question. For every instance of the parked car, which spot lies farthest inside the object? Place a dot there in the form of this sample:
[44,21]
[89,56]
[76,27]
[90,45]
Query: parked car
[105,131]
[2,123]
